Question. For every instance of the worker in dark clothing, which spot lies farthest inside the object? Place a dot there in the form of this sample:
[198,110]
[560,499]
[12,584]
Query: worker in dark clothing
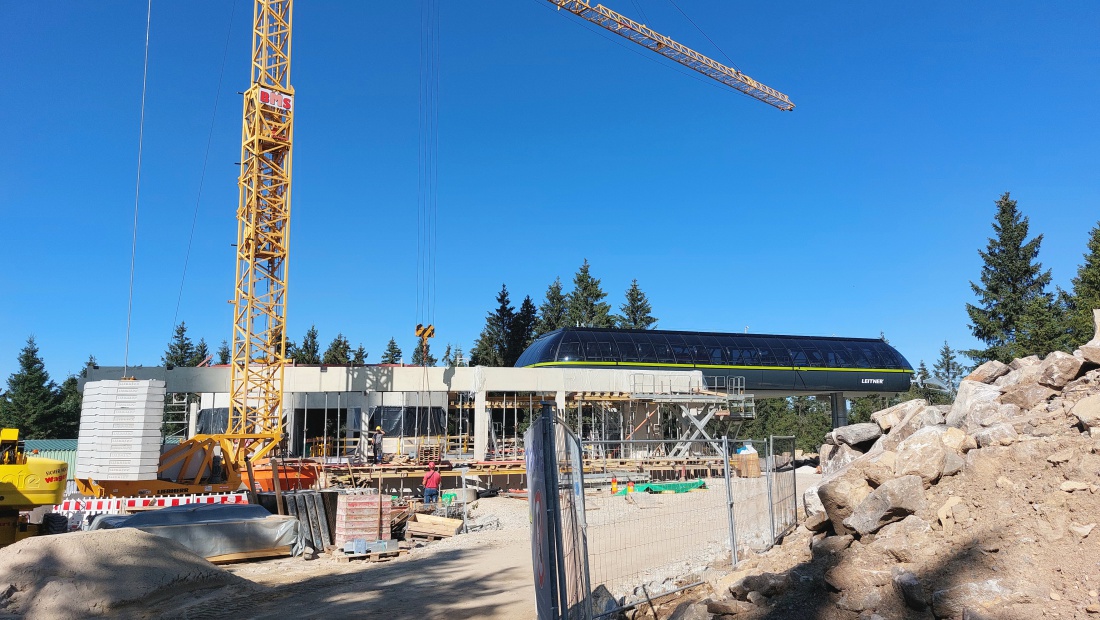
[377,441]
[431,484]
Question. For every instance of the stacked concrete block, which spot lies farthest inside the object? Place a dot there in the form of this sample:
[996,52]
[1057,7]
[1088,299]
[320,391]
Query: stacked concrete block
[359,516]
[120,430]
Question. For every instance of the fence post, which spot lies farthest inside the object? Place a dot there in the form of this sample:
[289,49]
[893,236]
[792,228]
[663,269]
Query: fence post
[769,464]
[729,499]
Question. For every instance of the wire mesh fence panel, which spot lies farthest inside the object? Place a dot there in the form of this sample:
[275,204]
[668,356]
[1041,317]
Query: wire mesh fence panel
[750,490]
[662,522]
[784,487]
[572,511]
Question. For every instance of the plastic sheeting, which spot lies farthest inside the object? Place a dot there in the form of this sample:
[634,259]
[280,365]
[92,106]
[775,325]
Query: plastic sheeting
[408,421]
[210,530]
[212,421]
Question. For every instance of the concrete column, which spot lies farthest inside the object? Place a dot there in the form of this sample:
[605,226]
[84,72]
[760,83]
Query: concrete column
[559,402]
[482,420]
[192,420]
[839,406]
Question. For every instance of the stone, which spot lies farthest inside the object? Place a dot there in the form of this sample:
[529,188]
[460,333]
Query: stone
[603,602]
[831,544]
[811,503]
[731,607]
[691,611]
[1020,363]
[931,416]
[1087,411]
[952,465]
[879,468]
[989,372]
[902,540]
[840,459]
[1003,434]
[857,434]
[922,454]
[1061,456]
[1081,532]
[1026,395]
[970,394]
[946,514]
[855,572]
[817,523]
[757,599]
[893,501]
[954,439]
[956,601]
[909,587]
[1059,368]
[1070,486]
[768,584]
[825,452]
[1090,353]
[886,419]
[841,495]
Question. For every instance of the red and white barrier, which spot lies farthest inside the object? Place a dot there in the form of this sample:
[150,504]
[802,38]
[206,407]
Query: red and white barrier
[78,510]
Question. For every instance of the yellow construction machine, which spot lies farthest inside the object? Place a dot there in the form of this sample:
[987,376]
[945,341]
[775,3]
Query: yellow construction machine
[26,482]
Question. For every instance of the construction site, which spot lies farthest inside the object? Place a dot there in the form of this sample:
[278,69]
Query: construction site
[606,475]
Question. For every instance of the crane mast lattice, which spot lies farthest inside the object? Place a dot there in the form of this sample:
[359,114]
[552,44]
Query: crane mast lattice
[263,233]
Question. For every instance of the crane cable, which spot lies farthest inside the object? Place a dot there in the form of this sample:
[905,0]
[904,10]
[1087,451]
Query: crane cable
[428,163]
[137,190]
[205,159]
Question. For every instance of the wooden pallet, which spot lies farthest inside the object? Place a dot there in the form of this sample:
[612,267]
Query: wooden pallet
[428,454]
[378,556]
[424,537]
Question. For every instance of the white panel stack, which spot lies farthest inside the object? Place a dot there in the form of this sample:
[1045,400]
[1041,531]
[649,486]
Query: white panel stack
[120,426]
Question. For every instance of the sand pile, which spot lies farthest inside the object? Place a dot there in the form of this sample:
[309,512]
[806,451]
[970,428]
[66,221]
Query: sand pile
[87,574]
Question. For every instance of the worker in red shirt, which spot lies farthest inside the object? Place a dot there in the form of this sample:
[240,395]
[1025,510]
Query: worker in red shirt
[431,484]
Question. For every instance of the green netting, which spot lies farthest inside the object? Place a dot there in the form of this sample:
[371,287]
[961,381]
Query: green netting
[665,487]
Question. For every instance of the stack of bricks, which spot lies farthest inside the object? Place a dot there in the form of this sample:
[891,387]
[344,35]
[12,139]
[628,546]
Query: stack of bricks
[359,516]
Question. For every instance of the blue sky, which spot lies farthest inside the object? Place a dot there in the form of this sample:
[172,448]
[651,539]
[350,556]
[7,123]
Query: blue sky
[860,212]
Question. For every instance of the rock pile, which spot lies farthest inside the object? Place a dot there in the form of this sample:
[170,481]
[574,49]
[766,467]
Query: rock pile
[982,509]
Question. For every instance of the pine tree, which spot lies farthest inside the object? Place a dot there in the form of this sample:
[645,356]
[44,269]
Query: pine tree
[553,313]
[310,351]
[392,355]
[360,356]
[448,357]
[419,359]
[522,331]
[338,352]
[91,363]
[491,347]
[31,403]
[66,424]
[181,352]
[1011,278]
[636,311]
[1086,294]
[223,353]
[947,370]
[202,351]
[586,305]
[1043,326]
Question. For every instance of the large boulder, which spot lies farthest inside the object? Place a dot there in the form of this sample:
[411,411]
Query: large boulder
[904,540]
[971,393]
[1060,368]
[893,416]
[1026,395]
[1023,363]
[923,454]
[1090,353]
[989,372]
[893,501]
[857,434]
[1024,370]
[1087,411]
[840,458]
[841,494]
[909,587]
[1003,434]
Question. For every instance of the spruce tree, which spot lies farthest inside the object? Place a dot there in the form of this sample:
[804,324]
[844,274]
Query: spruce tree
[947,370]
[448,357]
[491,347]
[636,311]
[522,331]
[586,305]
[66,424]
[338,352]
[91,363]
[31,403]
[422,357]
[553,313]
[1086,294]
[1011,278]
[359,357]
[310,351]
[1043,326]
[392,354]
[223,353]
[202,351]
[180,352]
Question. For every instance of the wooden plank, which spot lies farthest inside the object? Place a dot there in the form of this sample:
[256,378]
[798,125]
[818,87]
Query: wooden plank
[249,555]
[318,506]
